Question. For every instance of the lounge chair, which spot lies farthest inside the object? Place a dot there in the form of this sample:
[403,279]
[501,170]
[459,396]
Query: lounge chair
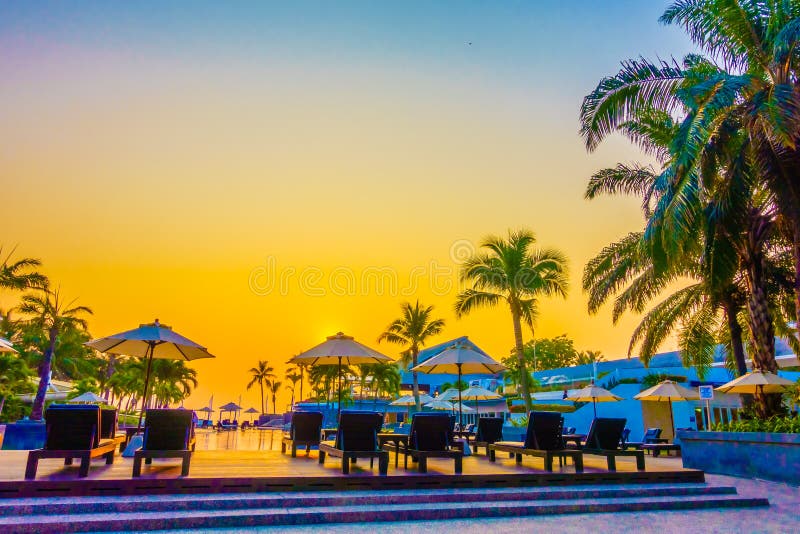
[543,439]
[490,430]
[72,432]
[108,427]
[430,437]
[357,437]
[604,438]
[305,429]
[651,435]
[167,434]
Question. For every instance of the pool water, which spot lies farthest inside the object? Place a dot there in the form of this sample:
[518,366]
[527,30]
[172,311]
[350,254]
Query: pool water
[240,440]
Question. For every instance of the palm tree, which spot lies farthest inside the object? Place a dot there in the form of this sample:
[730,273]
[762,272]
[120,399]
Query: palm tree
[413,329]
[274,386]
[589,357]
[294,375]
[17,275]
[510,271]
[385,378]
[755,88]
[52,315]
[261,375]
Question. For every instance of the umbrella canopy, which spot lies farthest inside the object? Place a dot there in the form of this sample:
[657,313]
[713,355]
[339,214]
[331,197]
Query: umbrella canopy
[460,359]
[408,400]
[444,405]
[88,397]
[756,381]
[205,409]
[150,341]
[669,391]
[449,394]
[251,410]
[230,407]
[595,394]
[478,393]
[336,350]
[6,346]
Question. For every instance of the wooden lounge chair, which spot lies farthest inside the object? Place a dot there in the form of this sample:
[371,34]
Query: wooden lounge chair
[603,440]
[305,429]
[108,427]
[167,434]
[543,440]
[651,435]
[490,430]
[357,437]
[430,437]
[72,432]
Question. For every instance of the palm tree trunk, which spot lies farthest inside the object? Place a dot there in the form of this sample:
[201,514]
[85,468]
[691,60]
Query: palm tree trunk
[301,383]
[761,328]
[2,403]
[523,369]
[415,377]
[44,376]
[735,329]
[261,385]
[274,408]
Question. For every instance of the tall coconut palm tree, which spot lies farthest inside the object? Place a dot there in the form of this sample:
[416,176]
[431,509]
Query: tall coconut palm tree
[19,274]
[274,387]
[294,375]
[413,329]
[261,375]
[50,313]
[511,271]
[751,77]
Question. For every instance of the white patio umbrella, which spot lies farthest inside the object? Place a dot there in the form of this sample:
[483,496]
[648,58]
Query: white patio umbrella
[88,397]
[460,359]
[449,394]
[595,394]
[478,393]
[150,341]
[443,405]
[6,345]
[336,350]
[251,411]
[408,401]
[669,391]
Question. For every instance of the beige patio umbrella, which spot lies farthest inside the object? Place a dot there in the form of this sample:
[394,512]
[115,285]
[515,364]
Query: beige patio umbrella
[669,391]
[6,346]
[443,405]
[88,398]
[757,381]
[478,393]
[595,394]
[251,411]
[460,359]
[339,349]
[449,394]
[408,400]
[150,341]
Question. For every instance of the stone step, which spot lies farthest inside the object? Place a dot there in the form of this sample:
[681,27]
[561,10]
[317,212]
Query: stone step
[278,515]
[233,501]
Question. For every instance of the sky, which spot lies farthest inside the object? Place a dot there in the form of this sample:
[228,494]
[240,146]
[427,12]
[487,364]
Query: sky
[260,175]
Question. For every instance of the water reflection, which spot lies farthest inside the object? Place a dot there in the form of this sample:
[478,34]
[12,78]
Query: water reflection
[242,440]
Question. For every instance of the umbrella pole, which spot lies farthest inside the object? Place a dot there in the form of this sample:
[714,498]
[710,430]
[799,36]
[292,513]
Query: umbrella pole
[671,419]
[458,385]
[594,401]
[339,377]
[146,385]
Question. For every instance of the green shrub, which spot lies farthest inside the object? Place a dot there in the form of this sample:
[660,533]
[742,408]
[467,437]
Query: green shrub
[563,408]
[778,424]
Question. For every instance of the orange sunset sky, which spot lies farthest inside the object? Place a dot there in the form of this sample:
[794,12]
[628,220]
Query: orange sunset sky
[178,161]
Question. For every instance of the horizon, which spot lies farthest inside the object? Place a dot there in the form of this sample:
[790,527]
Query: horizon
[251,174]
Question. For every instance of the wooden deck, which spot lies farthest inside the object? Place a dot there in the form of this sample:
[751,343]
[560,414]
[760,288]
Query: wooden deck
[259,471]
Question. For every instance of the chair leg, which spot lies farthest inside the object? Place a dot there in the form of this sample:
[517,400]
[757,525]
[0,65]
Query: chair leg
[321,456]
[345,465]
[68,461]
[110,457]
[458,465]
[383,464]
[612,463]
[83,472]
[578,461]
[640,462]
[423,464]
[519,458]
[137,466]
[294,450]
[491,454]
[30,468]
[548,462]
[283,447]
[185,465]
